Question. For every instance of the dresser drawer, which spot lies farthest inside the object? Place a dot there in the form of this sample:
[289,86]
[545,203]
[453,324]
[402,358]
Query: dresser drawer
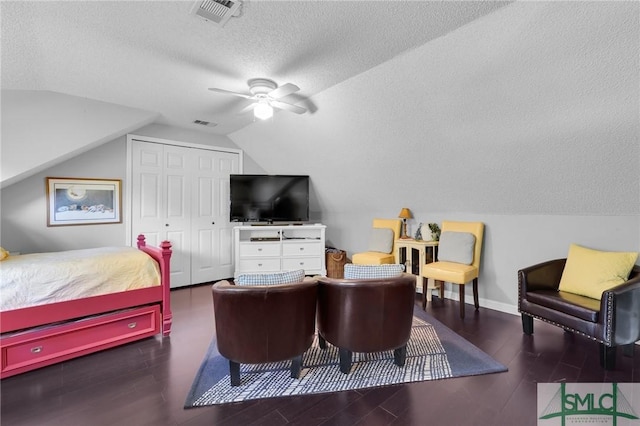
[302,248]
[259,265]
[259,249]
[306,263]
[59,343]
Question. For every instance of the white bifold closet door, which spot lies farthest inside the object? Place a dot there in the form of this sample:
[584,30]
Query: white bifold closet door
[181,194]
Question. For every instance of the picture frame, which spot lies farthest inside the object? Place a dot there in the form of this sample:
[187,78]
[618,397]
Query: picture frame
[83,201]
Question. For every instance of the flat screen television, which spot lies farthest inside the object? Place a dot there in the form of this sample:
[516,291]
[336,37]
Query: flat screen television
[269,198]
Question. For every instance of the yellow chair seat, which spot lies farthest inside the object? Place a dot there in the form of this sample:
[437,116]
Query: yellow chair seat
[373,258]
[450,272]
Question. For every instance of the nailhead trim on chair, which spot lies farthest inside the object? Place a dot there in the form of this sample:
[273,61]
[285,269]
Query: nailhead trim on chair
[519,292]
[566,328]
[610,307]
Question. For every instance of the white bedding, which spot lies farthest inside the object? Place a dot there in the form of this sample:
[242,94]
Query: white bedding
[41,278]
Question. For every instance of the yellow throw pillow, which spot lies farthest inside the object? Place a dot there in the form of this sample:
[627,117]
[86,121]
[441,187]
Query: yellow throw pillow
[3,254]
[590,272]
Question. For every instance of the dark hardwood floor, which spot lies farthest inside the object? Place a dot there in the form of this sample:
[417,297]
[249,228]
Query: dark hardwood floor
[145,383]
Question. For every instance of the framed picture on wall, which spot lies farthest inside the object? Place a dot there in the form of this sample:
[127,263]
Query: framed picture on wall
[83,201]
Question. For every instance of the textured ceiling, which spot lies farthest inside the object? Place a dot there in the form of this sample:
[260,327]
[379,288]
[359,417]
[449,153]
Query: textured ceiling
[158,57]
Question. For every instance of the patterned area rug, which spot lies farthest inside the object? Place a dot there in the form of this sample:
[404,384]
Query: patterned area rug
[433,352]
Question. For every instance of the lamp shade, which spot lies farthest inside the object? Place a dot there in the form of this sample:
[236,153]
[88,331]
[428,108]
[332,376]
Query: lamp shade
[405,213]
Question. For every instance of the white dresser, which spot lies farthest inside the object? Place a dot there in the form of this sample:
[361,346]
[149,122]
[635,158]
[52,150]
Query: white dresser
[276,248]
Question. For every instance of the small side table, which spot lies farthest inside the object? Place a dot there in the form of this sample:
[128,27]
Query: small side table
[428,253]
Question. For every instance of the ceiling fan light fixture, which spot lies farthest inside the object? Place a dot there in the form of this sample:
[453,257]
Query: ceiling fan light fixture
[263,110]
[266,96]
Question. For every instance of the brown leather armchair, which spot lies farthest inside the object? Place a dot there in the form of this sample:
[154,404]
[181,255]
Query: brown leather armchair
[612,321]
[368,315]
[261,324]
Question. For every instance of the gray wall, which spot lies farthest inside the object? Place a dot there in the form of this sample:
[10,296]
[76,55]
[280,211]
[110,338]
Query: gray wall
[23,223]
[24,207]
[526,120]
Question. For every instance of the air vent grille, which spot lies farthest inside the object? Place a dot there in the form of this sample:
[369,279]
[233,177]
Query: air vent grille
[205,123]
[216,11]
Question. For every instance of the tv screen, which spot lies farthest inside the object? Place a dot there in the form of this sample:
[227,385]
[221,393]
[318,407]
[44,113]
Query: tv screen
[269,198]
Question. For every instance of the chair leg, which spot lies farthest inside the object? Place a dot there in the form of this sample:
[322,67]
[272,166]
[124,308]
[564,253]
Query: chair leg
[461,287]
[345,360]
[475,293]
[234,373]
[400,355]
[607,357]
[296,366]
[527,324]
[425,285]
[441,285]
[321,342]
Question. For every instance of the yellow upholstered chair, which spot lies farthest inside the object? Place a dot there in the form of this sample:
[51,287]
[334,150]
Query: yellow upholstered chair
[380,257]
[458,260]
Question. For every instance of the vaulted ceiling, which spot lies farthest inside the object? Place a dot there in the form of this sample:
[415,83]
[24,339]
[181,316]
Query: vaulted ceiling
[159,57]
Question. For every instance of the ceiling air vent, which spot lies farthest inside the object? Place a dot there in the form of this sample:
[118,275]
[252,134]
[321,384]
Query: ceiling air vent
[216,11]
[205,123]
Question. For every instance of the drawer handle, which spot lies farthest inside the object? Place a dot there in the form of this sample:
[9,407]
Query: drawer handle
[132,324]
[301,263]
[260,264]
[259,249]
[36,350]
[301,248]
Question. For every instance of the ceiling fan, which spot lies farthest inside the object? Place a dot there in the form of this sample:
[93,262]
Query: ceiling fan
[266,94]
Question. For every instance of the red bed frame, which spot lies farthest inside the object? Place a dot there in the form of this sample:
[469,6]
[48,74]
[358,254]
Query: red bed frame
[56,332]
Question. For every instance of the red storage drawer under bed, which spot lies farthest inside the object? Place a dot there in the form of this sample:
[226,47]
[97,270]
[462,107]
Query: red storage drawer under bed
[39,348]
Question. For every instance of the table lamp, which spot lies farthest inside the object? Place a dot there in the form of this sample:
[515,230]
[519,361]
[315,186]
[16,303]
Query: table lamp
[405,214]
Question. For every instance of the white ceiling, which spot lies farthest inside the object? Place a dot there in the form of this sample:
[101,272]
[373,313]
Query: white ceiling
[158,57]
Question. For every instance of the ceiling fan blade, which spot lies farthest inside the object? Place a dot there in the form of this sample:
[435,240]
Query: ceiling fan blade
[283,91]
[248,108]
[288,107]
[229,92]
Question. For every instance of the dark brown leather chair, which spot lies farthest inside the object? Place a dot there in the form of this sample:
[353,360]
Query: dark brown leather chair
[261,324]
[368,315]
[612,321]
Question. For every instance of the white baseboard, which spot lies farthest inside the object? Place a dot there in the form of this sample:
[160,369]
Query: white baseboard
[485,303]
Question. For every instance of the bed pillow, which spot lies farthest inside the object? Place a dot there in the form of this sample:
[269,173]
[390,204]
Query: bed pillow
[289,277]
[590,272]
[381,240]
[359,272]
[3,254]
[456,247]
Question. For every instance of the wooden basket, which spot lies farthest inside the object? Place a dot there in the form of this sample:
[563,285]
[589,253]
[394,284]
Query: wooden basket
[335,264]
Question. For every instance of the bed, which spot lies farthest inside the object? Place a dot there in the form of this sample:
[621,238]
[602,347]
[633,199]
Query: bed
[45,333]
